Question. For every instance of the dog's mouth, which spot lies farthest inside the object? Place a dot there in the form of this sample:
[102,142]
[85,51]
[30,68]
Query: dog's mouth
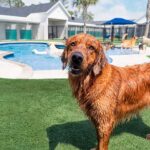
[75,70]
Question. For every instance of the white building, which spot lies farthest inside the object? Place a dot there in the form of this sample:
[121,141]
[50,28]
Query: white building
[40,22]
[141,24]
[51,20]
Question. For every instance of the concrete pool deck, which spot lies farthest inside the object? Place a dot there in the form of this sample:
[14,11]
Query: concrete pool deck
[15,70]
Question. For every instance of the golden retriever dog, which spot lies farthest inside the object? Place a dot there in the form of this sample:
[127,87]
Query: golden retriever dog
[130,43]
[107,46]
[144,43]
[107,94]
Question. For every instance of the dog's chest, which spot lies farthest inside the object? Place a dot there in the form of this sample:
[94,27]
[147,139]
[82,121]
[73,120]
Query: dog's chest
[89,101]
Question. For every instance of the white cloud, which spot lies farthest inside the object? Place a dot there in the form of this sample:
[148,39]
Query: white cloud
[106,2]
[109,9]
[104,9]
[29,2]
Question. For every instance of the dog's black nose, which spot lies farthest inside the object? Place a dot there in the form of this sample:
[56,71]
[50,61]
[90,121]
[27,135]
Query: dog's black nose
[77,58]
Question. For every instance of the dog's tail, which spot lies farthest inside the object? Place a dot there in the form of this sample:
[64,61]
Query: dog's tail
[124,36]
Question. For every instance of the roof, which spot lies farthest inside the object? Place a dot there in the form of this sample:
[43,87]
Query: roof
[26,10]
[141,20]
[119,21]
[99,22]
[79,20]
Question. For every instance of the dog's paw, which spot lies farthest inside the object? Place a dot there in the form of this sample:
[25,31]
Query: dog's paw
[148,136]
[93,149]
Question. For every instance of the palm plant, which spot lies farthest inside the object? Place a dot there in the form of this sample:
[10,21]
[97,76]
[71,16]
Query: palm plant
[12,3]
[90,16]
[19,3]
[147,19]
[84,5]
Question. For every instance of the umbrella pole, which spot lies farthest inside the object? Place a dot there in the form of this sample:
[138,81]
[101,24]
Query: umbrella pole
[112,33]
[104,33]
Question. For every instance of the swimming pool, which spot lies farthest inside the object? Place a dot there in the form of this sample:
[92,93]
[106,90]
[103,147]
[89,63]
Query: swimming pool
[23,54]
[119,51]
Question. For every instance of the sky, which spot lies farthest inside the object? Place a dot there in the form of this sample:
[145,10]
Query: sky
[108,9]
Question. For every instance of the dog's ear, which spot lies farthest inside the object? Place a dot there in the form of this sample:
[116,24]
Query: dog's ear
[97,68]
[100,62]
[64,58]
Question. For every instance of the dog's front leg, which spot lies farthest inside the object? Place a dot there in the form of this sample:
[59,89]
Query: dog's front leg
[103,135]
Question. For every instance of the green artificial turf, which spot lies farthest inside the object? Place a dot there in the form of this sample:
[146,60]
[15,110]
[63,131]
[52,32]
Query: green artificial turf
[43,115]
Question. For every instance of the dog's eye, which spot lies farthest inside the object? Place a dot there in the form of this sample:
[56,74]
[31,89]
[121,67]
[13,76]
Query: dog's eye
[73,44]
[91,48]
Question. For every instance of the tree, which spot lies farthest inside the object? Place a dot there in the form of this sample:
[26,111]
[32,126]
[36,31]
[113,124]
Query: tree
[147,19]
[90,16]
[71,12]
[12,3]
[19,3]
[83,5]
[5,3]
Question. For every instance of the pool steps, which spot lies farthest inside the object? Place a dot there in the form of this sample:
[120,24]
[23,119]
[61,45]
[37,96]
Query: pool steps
[23,72]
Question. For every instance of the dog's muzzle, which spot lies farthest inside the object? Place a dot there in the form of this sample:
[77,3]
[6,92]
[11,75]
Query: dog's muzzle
[76,62]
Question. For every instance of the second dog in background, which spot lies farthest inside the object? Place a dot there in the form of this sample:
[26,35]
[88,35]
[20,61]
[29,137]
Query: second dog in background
[128,43]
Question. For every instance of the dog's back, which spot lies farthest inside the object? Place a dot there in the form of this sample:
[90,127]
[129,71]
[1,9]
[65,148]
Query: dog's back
[146,41]
[134,93]
[129,43]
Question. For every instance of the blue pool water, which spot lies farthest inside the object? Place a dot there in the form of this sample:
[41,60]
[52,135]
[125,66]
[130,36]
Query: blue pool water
[119,51]
[23,54]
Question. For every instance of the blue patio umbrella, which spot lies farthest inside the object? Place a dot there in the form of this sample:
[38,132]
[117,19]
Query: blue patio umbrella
[119,21]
